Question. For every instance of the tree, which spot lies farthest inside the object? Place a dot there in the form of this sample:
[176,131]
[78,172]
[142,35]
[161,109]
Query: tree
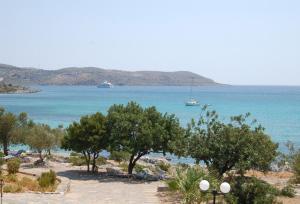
[235,145]
[10,128]
[140,131]
[88,137]
[41,138]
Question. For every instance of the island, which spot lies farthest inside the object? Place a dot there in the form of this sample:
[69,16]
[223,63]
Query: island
[15,89]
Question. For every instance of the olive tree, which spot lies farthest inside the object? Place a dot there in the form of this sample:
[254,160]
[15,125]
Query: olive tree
[41,137]
[237,144]
[139,131]
[10,127]
[88,136]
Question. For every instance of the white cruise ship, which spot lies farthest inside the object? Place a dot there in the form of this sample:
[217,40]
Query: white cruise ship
[105,84]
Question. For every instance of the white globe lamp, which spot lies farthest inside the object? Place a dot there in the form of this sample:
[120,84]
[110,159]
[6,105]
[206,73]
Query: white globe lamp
[225,187]
[204,185]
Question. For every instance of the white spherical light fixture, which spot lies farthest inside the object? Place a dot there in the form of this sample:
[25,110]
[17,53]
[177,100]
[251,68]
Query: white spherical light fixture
[225,187]
[204,185]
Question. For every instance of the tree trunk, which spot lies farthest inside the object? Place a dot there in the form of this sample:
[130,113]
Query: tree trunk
[5,147]
[41,156]
[87,157]
[133,161]
[95,156]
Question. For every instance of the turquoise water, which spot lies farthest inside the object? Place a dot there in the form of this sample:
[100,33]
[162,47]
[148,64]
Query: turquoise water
[276,108]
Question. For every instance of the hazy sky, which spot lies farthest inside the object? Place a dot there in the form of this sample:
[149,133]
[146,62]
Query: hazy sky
[236,42]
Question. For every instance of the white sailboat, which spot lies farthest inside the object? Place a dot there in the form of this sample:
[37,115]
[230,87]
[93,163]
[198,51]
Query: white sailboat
[192,101]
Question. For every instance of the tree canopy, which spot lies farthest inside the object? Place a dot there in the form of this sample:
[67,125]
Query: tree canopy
[238,144]
[10,127]
[140,131]
[87,136]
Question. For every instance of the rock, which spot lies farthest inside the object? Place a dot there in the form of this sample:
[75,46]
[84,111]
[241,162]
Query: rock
[114,171]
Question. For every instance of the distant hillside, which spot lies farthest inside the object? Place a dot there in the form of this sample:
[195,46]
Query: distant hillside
[94,76]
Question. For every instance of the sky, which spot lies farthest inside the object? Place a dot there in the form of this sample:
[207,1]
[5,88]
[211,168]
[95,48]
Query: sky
[241,42]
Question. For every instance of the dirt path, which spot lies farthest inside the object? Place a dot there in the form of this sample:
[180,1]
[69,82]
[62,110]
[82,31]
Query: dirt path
[91,189]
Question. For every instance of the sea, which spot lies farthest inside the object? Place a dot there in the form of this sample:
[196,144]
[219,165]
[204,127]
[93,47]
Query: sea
[277,108]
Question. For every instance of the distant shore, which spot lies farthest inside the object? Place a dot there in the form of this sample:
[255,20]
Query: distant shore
[15,89]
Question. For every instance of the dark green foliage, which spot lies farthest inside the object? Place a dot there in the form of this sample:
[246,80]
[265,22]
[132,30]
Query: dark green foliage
[250,190]
[139,168]
[140,131]
[13,165]
[77,160]
[296,167]
[2,154]
[87,137]
[288,191]
[186,182]
[226,146]
[11,128]
[47,179]
[119,156]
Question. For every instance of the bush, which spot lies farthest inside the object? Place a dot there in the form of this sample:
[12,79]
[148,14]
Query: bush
[2,154]
[119,156]
[296,168]
[75,154]
[101,161]
[139,168]
[186,182]
[164,166]
[250,190]
[11,178]
[77,161]
[12,188]
[47,179]
[28,183]
[13,165]
[288,191]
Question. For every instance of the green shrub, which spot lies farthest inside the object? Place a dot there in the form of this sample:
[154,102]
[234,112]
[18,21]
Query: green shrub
[12,188]
[163,165]
[119,156]
[47,179]
[250,190]
[101,161]
[77,161]
[288,191]
[75,154]
[13,165]
[296,168]
[186,182]
[139,168]
[2,154]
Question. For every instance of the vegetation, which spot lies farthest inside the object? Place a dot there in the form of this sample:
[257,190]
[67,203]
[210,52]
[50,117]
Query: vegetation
[225,146]
[42,138]
[288,191]
[13,165]
[140,131]
[119,156]
[186,182]
[47,179]
[87,137]
[296,167]
[250,190]
[11,127]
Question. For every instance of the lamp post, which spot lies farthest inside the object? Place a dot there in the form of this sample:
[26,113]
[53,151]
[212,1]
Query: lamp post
[1,186]
[224,188]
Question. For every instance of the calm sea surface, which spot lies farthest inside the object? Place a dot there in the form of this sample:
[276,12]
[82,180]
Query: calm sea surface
[276,108]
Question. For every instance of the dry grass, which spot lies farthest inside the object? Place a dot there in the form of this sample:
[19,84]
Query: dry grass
[16,183]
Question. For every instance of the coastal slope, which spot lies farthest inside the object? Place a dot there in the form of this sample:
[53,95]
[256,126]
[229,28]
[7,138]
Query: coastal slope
[94,76]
